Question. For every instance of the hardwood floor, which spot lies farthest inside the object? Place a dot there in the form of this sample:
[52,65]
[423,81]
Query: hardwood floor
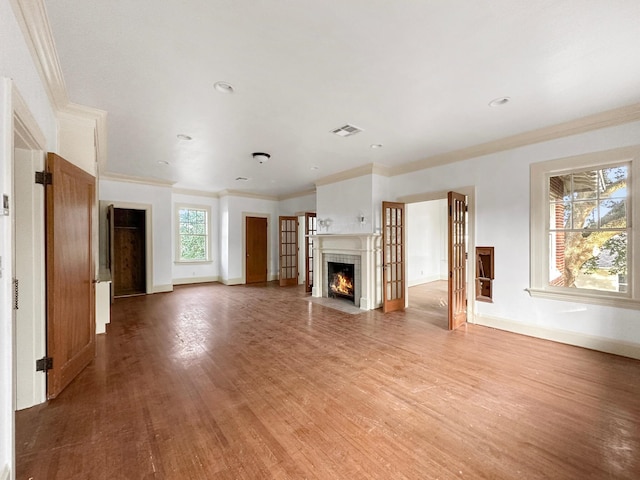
[254,382]
[432,299]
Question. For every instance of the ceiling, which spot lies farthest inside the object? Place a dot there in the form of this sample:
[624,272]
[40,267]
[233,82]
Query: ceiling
[416,76]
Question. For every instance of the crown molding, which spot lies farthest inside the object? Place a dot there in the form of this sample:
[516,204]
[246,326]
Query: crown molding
[368,169]
[34,22]
[117,177]
[289,196]
[197,193]
[609,118]
[25,126]
[238,193]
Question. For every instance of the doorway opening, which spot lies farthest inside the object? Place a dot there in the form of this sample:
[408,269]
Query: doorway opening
[129,252]
[428,255]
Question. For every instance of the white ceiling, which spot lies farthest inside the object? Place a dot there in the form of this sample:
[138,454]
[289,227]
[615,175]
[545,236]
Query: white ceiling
[416,76]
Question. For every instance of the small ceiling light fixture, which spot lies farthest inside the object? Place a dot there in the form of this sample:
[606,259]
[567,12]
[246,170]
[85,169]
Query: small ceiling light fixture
[261,157]
[498,102]
[163,162]
[241,179]
[182,136]
[315,167]
[223,87]
[376,145]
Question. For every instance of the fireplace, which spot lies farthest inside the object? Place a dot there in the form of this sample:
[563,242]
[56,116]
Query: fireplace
[363,251]
[341,280]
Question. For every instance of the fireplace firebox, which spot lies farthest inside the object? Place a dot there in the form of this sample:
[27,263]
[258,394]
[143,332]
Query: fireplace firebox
[341,280]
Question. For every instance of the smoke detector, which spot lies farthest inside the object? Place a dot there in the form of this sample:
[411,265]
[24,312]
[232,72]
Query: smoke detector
[261,157]
[346,130]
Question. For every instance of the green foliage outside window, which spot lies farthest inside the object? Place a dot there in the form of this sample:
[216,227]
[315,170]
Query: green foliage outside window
[193,234]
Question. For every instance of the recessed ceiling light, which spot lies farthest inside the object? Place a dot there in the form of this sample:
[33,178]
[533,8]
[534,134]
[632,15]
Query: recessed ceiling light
[223,87]
[315,167]
[376,145]
[163,162]
[497,102]
[182,136]
[241,179]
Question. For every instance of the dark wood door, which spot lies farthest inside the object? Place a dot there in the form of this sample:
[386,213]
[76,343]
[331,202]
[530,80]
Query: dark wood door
[70,200]
[457,260]
[393,253]
[110,246]
[256,250]
[288,248]
[128,263]
[310,228]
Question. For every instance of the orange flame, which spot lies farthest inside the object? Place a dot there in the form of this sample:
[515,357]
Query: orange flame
[341,285]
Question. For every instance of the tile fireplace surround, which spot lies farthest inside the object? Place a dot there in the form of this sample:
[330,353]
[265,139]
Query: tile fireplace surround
[361,249]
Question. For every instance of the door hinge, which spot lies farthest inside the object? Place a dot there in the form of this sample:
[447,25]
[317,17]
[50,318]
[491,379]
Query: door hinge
[450,211]
[44,178]
[16,286]
[44,364]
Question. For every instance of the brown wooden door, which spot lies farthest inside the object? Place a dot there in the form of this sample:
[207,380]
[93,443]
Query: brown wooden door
[70,203]
[457,260]
[309,229]
[256,250]
[110,246]
[288,248]
[129,263]
[393,253]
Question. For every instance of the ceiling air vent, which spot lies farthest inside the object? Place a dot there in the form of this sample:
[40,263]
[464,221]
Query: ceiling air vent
[346,130]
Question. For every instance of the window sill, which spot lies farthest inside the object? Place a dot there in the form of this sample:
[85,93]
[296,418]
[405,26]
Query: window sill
[584,297]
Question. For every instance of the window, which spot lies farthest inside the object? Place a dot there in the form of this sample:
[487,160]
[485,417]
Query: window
[193,234]
[582,221]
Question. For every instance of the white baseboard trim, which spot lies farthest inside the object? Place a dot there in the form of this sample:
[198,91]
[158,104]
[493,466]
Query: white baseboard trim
[592,342]
[163,288]
[420,281]
[272,277]
[233,281]
[6,473]
[189,280]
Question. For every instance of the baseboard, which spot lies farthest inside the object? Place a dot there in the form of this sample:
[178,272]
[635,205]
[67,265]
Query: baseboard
[5,474]
[188,280]
[163,288]
[592,342]
[272,277]
[420,281]
[232,281]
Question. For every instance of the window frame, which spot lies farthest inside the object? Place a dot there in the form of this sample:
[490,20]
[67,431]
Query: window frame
[178,236]
[539,228]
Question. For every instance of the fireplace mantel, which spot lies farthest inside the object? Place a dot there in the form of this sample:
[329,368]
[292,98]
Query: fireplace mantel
[365,245]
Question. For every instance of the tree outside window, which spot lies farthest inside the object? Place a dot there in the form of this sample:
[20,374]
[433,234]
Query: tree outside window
[193,235]
[588,229]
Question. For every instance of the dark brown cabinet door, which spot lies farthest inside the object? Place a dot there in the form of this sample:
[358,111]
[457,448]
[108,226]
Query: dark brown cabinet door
[393,253]
[457,260]
[70,200]
[256,250]
[288,248]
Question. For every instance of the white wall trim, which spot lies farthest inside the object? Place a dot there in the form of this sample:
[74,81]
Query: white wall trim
[163,288]
[237,193]
[592,342]
[116,177]
[368,169]
[233,281]
[195,193]
[423,280]
[6,473]
[191,280]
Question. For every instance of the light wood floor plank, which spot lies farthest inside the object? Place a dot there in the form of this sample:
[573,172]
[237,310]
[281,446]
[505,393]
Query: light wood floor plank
[254,382]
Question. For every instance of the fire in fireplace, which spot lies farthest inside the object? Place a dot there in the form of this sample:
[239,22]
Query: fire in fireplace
[341,280]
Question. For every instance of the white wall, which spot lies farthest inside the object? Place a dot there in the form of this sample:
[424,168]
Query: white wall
[426,241]
[15,64]
[293,206]
[197,272]
[502,221]
[233,211]
[160,199]
[342,202]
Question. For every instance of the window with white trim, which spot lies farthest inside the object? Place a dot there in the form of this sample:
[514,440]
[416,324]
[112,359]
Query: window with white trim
[583,215]
[193,234]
